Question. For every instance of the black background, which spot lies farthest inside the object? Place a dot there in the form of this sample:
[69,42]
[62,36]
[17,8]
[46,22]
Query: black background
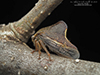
[83,23]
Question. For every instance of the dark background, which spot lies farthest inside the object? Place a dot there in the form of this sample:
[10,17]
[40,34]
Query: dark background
[83,23]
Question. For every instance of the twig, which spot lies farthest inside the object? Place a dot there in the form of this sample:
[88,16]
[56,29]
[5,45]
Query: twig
[26,26]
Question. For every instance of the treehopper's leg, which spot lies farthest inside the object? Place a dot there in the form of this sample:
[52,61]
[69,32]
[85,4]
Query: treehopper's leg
[36,48]
[39,48]
[43,46]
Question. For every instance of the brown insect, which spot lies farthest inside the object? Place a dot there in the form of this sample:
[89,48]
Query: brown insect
[54,37]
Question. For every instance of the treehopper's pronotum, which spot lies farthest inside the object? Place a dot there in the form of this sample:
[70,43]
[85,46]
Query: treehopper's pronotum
[54,37]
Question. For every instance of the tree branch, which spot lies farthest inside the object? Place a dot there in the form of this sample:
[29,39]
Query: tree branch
[26,26]
[18,60]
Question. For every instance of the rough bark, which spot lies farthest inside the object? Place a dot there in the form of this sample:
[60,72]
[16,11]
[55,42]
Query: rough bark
[16,59]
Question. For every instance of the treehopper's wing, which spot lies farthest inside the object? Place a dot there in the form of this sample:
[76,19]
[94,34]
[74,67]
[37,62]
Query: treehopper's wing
[58,32]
